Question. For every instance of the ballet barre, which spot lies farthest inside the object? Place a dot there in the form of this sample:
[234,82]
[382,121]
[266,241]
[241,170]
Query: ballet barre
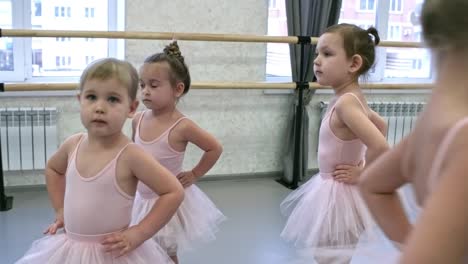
[181,36]
[9,87]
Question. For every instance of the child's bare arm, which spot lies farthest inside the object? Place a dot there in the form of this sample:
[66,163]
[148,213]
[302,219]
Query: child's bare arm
[350,111]
[205,141]
[441,233]
[55,179]
[379,122]
[378,184]
[163,183]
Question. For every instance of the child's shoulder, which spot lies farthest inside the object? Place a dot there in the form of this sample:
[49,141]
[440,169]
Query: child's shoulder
[134,153]
[185,125]
[70,143]
[184,121]
[350,101]
[74,139]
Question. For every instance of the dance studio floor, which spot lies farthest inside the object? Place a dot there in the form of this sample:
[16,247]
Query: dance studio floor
[249,236]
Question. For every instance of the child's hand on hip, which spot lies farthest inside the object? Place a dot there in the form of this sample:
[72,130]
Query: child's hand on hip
[121,243]
[348,174]
[58,223]
[186,178]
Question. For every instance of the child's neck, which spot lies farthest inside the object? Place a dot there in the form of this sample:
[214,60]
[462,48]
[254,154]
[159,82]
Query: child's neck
[452,79]
[105,142]
[346,87]
[166,113]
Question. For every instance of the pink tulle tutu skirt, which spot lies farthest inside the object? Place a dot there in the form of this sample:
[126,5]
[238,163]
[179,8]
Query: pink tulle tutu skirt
[380,249]
[196,221]
[326,218]
[68,248]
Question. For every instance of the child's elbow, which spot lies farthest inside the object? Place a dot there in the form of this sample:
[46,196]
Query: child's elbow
[218,149]
[364,186]
[380,147]
[179,194]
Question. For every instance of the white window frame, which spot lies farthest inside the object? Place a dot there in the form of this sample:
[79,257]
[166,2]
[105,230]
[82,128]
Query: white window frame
[367,10]
[402,2]
[382,25]
[398,27]
[378,74]
[272,4]
[22,46]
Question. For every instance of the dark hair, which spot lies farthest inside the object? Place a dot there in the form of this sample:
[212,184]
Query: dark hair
[179,70]
[358,41]
[105,69]
[444,23]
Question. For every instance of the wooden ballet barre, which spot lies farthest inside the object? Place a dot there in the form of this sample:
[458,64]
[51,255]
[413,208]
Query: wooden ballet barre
[388,86]
[9,87]
[177,35]
[147,35]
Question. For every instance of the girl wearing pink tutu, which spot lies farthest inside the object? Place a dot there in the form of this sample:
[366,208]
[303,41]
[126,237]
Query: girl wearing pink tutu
[164,132]
[327,214]
[92,180]
[433,157]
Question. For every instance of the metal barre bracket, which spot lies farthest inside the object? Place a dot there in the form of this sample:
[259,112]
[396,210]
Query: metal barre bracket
[304,40]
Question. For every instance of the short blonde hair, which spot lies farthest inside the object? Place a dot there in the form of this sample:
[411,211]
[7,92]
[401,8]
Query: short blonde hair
[107,68]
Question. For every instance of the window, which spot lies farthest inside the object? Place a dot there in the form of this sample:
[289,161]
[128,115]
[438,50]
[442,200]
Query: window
[278,65]
[412,64]
[8,60]
[37,8]
[86,12]
[272,4]
[394,32]
[392,64]
[366,5]
[47,60]
[395,5]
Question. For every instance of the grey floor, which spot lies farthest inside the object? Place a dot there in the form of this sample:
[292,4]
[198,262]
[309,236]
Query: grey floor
[249,236]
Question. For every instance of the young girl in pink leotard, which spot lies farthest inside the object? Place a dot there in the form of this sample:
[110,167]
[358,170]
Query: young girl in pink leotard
[165,132]
[92,180]
[433,157]
[327,214]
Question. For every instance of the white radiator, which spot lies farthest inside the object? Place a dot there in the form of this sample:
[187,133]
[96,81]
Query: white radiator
[28,137]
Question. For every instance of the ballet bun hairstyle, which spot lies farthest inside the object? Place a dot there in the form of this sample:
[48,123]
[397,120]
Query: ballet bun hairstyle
[358,41]
[173,56]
